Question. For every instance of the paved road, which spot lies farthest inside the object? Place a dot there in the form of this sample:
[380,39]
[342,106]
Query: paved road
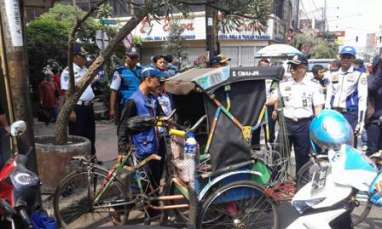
[106,145]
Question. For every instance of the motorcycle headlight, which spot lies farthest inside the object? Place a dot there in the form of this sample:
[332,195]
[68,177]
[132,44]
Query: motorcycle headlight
[24,179]
[302,205]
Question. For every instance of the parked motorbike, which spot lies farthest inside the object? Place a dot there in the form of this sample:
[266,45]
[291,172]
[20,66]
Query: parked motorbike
[18,188]
[328,200]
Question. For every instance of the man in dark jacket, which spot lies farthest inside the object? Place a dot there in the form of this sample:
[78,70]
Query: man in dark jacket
[143,102]
[374,114]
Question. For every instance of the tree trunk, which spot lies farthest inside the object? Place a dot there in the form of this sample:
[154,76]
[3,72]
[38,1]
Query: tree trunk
[63,117]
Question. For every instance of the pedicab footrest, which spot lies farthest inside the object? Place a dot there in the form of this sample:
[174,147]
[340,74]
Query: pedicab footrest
[282,191]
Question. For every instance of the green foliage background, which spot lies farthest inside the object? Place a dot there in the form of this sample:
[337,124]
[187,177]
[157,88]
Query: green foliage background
[319,47]
[47,37]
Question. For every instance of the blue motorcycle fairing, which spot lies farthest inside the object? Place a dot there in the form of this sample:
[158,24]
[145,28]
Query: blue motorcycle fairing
[352,168]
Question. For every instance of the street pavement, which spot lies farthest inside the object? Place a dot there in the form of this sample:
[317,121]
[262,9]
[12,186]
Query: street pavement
[106,146]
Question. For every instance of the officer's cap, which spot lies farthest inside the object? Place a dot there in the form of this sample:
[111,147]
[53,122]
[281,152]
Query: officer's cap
[298,59]
[153,72]
[348,50]
[79,50]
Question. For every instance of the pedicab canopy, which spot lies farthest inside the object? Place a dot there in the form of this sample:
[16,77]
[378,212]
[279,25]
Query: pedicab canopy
[240,91]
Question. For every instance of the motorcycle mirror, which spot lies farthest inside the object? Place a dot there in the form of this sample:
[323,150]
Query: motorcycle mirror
[18,128]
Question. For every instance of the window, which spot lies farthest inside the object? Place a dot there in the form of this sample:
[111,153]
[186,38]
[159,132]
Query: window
[233,53]
[247,56]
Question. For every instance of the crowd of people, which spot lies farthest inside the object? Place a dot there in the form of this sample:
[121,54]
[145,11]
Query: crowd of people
[347,87]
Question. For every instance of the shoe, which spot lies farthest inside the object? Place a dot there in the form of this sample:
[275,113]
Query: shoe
[152,213]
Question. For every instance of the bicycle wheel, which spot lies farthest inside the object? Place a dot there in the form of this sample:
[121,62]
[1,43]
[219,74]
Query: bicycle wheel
[242,204]
[73,200]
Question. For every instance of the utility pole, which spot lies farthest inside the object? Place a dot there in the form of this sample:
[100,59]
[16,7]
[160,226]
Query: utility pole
[14,62]
[212,42]
[326,26]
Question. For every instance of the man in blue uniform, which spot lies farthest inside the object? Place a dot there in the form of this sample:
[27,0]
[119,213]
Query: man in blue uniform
[126,80]
[143,102]
[374,119]
[347,90]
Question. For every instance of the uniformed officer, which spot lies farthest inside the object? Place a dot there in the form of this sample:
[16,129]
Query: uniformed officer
[320,77]
[347,90]
[374,119]
[302,100]
[81,121]
[126,80]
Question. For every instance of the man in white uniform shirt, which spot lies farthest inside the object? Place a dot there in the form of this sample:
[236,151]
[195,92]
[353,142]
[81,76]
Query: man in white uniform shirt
[347,90]
[302,100]
[81,122]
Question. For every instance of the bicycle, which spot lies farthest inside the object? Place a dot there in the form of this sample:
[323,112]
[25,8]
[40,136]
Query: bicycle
[93,193]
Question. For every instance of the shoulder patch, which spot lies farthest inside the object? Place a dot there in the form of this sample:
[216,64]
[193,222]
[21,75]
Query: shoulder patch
[115,76]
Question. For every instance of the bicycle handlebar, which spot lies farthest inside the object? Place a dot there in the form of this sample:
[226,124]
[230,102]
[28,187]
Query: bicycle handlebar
[181,130]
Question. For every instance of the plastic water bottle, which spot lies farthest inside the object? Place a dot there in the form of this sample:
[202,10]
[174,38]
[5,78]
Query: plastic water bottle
[190,149]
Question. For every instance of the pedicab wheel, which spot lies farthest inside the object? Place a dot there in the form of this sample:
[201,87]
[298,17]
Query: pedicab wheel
[359,214]
[241,204]
[305,174]
[73,201]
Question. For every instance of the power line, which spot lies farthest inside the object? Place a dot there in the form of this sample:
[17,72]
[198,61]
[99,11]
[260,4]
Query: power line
[304,10]
[315,6]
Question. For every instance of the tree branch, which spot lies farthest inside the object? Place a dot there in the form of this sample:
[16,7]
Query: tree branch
[200,3]
[71,42]
[106,53]
[62,120]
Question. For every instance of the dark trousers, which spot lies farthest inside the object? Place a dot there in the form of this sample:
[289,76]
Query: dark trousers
[374,137]
[271,124]
[352,118]
[298,134]
[84,125]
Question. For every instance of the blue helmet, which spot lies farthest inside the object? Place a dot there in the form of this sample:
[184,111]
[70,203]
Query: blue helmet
[348,50]
[329,129]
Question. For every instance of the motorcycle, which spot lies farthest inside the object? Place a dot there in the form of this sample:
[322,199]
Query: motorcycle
[329,198]
[18,188]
